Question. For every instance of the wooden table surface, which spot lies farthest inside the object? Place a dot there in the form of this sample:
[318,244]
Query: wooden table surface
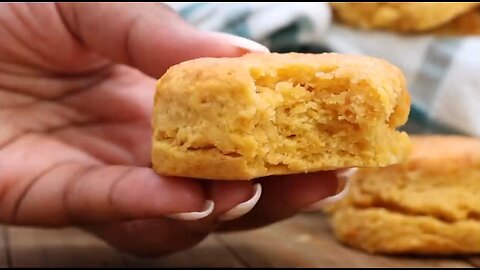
[303,241]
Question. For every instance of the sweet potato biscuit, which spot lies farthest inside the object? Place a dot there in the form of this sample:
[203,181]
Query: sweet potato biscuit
[467,24]
[429,204]
[401,17]
[266,114]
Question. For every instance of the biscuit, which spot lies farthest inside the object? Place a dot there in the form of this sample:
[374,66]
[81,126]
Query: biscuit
[269,114]
[429,204]
[466,24]
[401,17]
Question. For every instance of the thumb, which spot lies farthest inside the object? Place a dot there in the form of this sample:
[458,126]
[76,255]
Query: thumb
[148,36]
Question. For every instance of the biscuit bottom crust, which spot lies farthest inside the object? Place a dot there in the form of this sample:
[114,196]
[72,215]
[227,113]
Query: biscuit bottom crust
[259,115]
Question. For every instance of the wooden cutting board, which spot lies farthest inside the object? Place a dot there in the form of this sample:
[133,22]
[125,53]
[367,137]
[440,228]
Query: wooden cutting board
[303,241]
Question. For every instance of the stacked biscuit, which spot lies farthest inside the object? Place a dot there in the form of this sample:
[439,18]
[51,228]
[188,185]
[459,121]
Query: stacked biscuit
[430,202]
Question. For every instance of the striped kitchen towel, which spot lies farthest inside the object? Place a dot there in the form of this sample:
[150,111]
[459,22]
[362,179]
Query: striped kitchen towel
[443,74]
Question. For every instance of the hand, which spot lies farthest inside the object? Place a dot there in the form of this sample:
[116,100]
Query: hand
[76,91]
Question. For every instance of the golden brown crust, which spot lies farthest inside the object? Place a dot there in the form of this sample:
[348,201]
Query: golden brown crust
[377,230]
[441,154]
[264,114]
[428,204]
[467,24]
[401,17]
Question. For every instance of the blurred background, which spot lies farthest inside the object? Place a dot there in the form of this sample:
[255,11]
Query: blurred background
[436,45]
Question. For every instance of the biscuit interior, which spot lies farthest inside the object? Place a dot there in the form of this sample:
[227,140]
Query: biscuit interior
[265,114]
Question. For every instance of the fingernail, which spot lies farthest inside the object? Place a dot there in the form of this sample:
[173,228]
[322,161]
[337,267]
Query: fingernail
[241,42]
[347,173]
[244,207]
[343,187]
[207,210]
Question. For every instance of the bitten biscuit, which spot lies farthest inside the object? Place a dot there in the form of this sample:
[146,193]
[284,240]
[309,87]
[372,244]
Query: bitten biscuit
[267,114]
[401,17]
[429,204]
